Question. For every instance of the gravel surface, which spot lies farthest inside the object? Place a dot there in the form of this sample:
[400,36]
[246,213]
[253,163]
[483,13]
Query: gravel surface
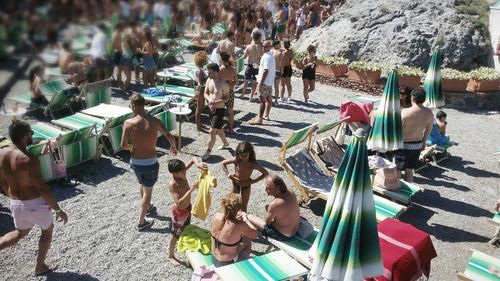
[100,241]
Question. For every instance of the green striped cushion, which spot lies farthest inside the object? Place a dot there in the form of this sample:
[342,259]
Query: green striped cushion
[179,90]
[46,167]
[25,98]
[496,219]
[272,266]
[117,121]
[167,118]
[403,194]
[97,97]
[79,152]
[197,259]
[115,138]
[297,247]
[387,209]
[184,42]
[477,267]
[299,136]
[365,99]
[328,126]
[44,132]
[79,121]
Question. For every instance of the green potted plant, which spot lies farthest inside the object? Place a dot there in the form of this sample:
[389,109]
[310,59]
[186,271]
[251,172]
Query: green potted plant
[484,79]
[409,75]
[365,71]
[454,80]
[332,66]
[298,58]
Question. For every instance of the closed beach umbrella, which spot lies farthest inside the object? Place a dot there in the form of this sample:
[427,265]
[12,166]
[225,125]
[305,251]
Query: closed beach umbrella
[433,86]
[347,246]
[387,131]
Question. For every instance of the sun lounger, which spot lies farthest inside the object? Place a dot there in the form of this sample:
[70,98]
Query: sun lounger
[495,221]
[311,181]
[404,194]
[178,90]
[25,98]
[327,151]
[477,268]
[272,266]
[219,28]
[54,73]
[97,93]
[46,161]
[297,247]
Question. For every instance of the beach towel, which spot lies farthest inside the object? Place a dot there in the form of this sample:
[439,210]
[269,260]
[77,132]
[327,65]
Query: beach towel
[203,197]
[194,239]
[436,138]
[329,152]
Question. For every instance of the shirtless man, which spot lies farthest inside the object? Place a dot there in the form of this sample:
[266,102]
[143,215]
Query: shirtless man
[227,45]
[280,21]
[278,56]
[228,73]
[31,199]
[216,94]
[142,130]
[65,57]
[282,219]
[417,126]
[292,22]
[181,195]
[252,55]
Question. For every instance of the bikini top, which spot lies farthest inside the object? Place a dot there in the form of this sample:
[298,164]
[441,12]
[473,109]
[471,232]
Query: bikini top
[218,243]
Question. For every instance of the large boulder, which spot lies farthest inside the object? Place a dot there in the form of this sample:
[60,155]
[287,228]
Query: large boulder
[399,32]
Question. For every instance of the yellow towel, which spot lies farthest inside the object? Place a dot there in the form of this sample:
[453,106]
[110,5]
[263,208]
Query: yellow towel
[203,197]
[194,239]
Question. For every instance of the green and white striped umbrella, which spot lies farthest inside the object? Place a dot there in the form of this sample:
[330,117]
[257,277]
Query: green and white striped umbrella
[433,85]
[387,131]
[347,245]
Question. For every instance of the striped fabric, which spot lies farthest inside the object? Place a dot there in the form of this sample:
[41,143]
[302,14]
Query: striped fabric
[385,208]
[365,99]
[297,247]
[177,90]
[347,246]
[328,126]
[197,259]
[79,44]
[115,138]
[79,121]
[54,86]
[219,27]
[25,98]
[403,194]
[45,160]
[477,267]
[433,85]
[240,65]
[43,131]
[387,132]
[299,136]
[78,152]
[117,121]
[97,97]
[167,118]
[496,219]
[160,99]
[272,266]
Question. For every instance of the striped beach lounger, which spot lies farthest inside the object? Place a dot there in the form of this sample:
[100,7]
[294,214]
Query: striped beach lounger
[54,73]
[25,98]
[185,43]
[219,28]
[42,131]
[81,151]
[385,208]
[477,268]
[46,161]
[54,86]
[297,247]
[178,90]
[404,194]
[495,221]
[272,266]
[80,120]
[97,93]
[160,99]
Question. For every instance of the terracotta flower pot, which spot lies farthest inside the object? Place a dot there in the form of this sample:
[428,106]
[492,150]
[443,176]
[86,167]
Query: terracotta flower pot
[323,68]
[338,70]
[453,85]
[412,81]
[483,85]
[297,64]
[364,75]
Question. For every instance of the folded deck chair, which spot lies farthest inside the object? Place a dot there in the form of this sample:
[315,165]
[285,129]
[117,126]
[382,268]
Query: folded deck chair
[97,93]
[327,150]
[46,161]
[62,93]
[477,268]
[78,146]
[496,222]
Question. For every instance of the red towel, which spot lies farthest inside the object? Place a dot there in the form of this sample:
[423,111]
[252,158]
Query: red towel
[406,251]
[357,110]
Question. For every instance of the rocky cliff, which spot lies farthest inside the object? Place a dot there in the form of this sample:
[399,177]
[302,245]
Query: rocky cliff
[399,32]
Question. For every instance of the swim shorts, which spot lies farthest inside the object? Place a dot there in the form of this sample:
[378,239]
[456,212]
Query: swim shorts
[271,232]
[28,213]
[407,158]
[146,175]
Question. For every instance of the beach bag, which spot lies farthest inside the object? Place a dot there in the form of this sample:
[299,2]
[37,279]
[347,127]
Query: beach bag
[387,178]
[60,169]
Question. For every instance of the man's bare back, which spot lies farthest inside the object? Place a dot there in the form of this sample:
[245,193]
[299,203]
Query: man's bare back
[416,120]
[286,214]
[253,52]
[143,134]
[287,57]
[226,46]
[278,56]
[15,178]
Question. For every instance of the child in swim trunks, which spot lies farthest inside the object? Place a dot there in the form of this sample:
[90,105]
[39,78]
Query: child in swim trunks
[244,164]
[181,194]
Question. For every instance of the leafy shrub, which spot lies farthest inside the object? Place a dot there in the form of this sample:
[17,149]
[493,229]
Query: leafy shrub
[485,73]
[477,12]
[365,65]
[450,73]
[299,56]
[334,60]
[408,71]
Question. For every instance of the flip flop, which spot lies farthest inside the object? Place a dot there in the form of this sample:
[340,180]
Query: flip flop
[50,268]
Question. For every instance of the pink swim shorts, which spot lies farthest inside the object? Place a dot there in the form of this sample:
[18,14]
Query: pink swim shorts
[27,213]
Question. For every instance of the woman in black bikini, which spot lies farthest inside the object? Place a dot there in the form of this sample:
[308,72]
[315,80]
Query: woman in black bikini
[309,72]
[249,26]
[231,237]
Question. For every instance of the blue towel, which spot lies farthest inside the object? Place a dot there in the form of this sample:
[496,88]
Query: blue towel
[154,92]
[436,137]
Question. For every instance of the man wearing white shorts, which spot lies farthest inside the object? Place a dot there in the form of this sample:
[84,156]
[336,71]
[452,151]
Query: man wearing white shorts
[265,79]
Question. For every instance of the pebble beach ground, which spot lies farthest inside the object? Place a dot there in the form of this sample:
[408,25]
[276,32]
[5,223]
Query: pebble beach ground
[100,241]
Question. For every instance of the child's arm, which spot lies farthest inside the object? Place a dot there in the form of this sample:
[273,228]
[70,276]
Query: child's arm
[263,173]
[226,162]
[181,202]
[194,160]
